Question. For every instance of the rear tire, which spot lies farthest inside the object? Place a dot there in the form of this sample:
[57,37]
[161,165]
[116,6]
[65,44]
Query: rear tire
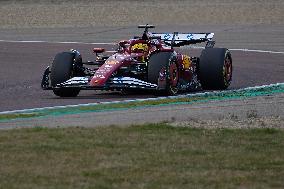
[215,68]
[61,71]
[159,61]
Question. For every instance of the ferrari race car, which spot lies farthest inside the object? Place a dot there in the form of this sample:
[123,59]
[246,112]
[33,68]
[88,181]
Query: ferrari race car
[145,62]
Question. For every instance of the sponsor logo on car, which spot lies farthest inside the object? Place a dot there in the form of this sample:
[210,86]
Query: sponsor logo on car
[112,62]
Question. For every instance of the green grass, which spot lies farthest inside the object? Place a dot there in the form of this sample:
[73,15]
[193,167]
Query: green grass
[147,156]
[19,115]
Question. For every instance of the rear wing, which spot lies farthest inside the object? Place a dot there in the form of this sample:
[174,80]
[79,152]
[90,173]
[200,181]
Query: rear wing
[180,39]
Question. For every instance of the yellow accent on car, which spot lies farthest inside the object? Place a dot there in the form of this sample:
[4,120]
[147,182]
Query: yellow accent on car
[140,46]
[186,62]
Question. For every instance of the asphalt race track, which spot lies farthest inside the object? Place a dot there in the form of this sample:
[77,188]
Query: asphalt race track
[22,63]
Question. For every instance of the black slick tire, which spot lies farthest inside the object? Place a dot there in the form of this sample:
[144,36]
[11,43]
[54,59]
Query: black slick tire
[215,69]
[61,71]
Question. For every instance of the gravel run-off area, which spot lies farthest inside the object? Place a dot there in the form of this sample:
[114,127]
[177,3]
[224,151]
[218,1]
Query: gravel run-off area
[86,13]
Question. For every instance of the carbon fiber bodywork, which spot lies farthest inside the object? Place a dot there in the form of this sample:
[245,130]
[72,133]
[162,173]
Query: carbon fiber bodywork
[128,67]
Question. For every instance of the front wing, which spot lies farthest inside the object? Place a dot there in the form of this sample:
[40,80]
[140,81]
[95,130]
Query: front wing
[84,83]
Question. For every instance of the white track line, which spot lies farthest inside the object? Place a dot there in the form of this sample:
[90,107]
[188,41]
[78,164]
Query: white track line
[57,42]
[74,42]
[258,51]
[243,50]
[86,43]
[139,100]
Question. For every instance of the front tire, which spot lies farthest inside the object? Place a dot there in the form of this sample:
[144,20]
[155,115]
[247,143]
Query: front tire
[61,71]
[215,68]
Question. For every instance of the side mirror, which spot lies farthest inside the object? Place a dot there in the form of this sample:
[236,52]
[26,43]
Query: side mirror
[123,43]
[122,46]
[98,50]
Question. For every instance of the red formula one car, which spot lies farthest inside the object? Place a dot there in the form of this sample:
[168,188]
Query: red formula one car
[146,62]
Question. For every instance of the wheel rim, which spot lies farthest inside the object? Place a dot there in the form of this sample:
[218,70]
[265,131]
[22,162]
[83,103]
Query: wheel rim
[227,70]
[173,75]
[173,78]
